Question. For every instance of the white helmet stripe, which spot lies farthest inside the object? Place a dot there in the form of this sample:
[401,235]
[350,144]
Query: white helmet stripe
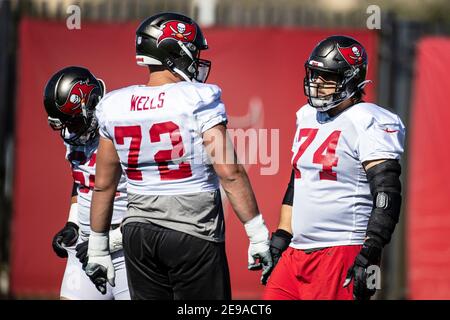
[145,61]
[182,74]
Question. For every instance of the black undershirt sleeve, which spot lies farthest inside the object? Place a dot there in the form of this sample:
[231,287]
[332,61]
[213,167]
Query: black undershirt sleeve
[289,195]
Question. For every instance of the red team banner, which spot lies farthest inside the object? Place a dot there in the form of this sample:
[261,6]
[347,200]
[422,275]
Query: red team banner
[260,71]
[428,220]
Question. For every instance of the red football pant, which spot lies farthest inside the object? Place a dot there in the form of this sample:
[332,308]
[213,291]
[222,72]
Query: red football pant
[318,275]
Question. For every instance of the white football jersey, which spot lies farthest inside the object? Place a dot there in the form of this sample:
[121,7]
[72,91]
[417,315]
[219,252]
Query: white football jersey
[157,132]
[82,160]
[332,200]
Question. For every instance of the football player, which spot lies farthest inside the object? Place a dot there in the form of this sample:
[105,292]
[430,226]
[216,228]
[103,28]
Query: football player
[343,199]
[70,98]
[169,136]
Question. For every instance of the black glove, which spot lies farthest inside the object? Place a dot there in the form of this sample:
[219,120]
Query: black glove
[67,236]
[369,255]
[278,244]
[98,275]
[82,250]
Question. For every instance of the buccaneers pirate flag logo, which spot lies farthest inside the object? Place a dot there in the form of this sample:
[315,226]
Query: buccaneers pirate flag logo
[354,55]
[79,93]
[178,31]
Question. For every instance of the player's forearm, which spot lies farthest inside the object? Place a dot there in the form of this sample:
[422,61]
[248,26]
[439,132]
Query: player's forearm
[107,176]
[232,175]
[106,182]
[239,191]
[101,209]
[285,218]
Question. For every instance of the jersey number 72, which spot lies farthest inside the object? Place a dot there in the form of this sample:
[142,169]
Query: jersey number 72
[162,157]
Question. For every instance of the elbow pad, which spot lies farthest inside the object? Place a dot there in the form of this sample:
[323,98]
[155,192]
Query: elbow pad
[289,195]
[385,187]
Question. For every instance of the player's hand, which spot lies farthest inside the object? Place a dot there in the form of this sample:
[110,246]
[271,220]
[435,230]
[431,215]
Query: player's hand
[369,255]
[258,251]
[278,244]
[115,244]
[100,268]
[66,237]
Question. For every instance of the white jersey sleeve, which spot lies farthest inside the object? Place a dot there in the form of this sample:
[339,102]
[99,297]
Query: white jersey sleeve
[210,109]
[382,134]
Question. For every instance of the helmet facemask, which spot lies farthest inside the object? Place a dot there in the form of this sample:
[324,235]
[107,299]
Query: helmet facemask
[202,70]
[189,65]
[326,89]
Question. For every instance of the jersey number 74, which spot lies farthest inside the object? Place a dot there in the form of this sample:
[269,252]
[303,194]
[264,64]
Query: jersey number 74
[324,155]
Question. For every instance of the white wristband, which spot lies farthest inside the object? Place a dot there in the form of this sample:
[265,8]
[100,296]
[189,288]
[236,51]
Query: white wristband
[115,240]
[256,229]
[73,213]
[98,244]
